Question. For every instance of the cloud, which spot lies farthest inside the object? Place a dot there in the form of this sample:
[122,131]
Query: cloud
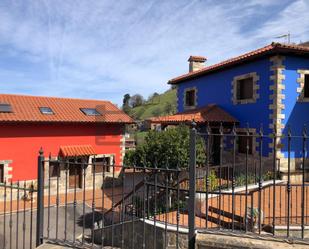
[104,49]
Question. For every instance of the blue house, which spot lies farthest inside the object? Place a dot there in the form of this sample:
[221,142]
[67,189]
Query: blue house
[268,86]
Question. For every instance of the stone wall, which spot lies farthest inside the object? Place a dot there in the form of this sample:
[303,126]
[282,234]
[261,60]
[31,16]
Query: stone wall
[137,236]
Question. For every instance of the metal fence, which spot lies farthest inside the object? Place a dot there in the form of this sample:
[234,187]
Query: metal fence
[17,215]
[257,195]
[96,203]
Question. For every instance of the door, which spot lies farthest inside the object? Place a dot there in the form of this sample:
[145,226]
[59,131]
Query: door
[216,147]
[75,176]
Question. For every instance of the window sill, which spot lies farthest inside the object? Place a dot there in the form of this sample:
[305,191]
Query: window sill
[189,107]
[244,101]
[101,173]
[54,177]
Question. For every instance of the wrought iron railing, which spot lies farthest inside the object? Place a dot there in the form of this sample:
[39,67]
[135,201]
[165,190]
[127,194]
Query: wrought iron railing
[92,204]
[253,193]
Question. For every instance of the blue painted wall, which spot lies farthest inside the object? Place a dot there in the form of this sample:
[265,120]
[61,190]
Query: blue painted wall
[216,88]
[296,113]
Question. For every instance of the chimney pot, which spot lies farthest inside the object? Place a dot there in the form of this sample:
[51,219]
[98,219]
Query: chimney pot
[196,63]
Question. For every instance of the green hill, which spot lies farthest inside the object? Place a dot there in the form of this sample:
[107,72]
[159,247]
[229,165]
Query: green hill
[158,105]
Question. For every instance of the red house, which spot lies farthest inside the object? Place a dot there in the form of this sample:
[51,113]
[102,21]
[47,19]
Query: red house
[63,127]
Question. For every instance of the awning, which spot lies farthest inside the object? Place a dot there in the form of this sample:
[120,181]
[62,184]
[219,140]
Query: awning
[76,150]
[209,114]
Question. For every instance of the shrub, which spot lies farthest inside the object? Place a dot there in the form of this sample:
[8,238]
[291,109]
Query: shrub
[168,148]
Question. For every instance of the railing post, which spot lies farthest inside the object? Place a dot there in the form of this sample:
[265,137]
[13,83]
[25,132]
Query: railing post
[40,200]
[192,187]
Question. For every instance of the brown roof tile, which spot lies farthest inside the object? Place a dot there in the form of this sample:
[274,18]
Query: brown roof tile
[197,58]
[76,150]
[26,109]
[210,113]
[273,47]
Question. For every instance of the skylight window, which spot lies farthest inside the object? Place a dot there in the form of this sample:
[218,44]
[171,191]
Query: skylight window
[90,111]
[5,108]
[46,110]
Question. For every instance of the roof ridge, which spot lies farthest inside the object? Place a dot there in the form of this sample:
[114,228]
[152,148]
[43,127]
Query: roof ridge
[25,109]
[238,58]
[52,97]
[212,112]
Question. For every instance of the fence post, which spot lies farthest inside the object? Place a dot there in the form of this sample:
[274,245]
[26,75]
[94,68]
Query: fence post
[192,186]
[40,200]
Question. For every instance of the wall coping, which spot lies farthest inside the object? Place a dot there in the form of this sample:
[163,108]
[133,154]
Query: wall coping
[224,241]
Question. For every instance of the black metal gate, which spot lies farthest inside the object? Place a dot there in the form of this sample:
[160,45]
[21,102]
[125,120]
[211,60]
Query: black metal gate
[18,215]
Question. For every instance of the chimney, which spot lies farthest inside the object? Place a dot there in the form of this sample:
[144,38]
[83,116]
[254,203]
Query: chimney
[196,63]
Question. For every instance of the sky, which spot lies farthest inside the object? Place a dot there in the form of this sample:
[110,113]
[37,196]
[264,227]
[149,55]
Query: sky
[103,49]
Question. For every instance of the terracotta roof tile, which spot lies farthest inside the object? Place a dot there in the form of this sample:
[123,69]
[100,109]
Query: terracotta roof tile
[76,150]
[197,58]
[210,113]
[26,109]
[273,47]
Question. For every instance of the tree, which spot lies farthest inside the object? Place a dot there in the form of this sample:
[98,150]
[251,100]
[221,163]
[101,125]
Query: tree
[169,108]
[166,148]
[136,100]
[156,112]
[125,105]
[152,96]
[126,99]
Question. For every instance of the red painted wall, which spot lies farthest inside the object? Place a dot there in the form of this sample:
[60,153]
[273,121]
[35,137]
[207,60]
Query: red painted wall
[21,143]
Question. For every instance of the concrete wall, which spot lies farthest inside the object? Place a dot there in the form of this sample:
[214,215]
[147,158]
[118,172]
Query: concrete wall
[212,241]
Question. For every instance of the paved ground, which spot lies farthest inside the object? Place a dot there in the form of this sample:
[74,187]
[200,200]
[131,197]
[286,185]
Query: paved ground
[16,233]
[267,203]
[52,246]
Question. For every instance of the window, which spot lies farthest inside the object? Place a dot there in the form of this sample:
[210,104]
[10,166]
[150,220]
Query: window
[306,86]
[243,139]
[303,88]
[46,110]
[190,98]
[54,169]
[5,108]
[101,163]
[1,173]
[90,111]
[245,89]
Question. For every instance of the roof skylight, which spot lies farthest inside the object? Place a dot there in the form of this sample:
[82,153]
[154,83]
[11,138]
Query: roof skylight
[90,111]
[5,108]
[46,110]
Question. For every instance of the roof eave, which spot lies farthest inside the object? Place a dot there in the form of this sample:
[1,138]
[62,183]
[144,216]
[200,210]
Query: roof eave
[277,49]
[62,122]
